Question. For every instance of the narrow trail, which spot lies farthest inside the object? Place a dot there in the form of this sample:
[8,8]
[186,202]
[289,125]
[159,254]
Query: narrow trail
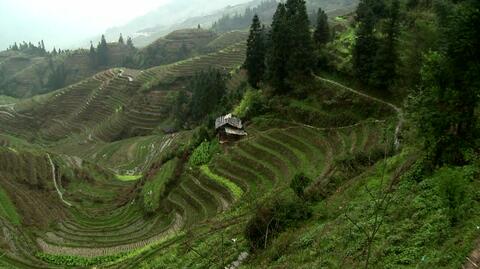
[130,79]
[8,105]
[473,260]
[400,115]
[60,194]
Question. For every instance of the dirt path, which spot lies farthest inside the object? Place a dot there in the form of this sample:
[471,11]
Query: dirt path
[7,105]
[130,79]
[60,194]
[401,118]
[473,261]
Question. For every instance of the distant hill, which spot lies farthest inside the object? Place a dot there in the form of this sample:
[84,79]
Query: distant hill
[183,44]
[188,14]
[24,75]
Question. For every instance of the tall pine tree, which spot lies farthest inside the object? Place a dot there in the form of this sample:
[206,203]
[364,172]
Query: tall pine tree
[102,52]
[366,44]
[120,40]
[443,109]
[130,43]
[255,60]
[322,29]
[385,65]
[93,56]
[301,57]
[278,50]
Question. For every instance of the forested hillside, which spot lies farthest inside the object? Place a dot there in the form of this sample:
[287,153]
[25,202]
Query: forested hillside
[315,139]
[27,70]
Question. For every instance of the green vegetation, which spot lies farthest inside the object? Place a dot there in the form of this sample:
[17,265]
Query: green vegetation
[253,103]
[204,153]
[74,261]
[128,177]
[322,29]
[426,240]
[124,170]
[255,60]
[154,189]
[299,183]
[232,187]
[4,100]
[7,209]
[270,220]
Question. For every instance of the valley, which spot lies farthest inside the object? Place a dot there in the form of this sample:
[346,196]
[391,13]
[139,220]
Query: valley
[331,134]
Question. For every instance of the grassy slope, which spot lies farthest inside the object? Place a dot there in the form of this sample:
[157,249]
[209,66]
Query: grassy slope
[7,209]
[4,100]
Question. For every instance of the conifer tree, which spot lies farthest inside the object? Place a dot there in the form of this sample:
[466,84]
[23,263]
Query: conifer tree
[322,30]
[301,57]
[102,52]
[92,49]
[385,65]
[279,50]
[255,60]
[120,40]
[443,109]
[93,56]
[130,42]
[366,43]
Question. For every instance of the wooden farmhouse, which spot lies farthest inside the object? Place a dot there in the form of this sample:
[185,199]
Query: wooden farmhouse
[229,128]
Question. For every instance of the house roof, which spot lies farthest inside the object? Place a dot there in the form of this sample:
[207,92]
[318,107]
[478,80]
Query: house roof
[233,131]
[228,120]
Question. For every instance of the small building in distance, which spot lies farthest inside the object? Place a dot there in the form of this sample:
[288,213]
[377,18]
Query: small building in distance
[229,128]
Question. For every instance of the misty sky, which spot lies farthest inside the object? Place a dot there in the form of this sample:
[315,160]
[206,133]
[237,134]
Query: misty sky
[64,22]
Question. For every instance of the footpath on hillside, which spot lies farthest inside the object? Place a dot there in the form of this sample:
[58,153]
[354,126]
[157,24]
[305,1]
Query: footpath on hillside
[400,115]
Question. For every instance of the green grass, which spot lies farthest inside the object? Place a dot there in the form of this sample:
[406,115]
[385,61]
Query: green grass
[7,100]
[128,177]
[247,100]
[7,209]
[417,231]
[154,189]
[232,187]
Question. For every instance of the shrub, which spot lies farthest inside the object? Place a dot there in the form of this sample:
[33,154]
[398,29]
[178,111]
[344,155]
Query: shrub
[156,188]
[253,104]
[271,219]
[204,153]
[299,183]
[236,191]
[453,185]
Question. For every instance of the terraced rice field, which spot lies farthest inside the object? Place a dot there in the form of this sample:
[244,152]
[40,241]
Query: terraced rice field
[112,103]
[101,225]
[91,120]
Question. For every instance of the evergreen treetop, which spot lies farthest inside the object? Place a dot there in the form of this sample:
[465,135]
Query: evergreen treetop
[255,59]
[322,30]
[120,40]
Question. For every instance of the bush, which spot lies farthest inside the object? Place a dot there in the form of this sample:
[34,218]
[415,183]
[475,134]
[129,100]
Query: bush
[299,183]
[453,185]
[253,104]
[155,188]
[271,219]
[204,153]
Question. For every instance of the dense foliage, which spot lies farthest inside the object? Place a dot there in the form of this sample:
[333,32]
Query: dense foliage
[322,29]
[255,59]
[241,21]
[443,109]
[204,153]
[204,96]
